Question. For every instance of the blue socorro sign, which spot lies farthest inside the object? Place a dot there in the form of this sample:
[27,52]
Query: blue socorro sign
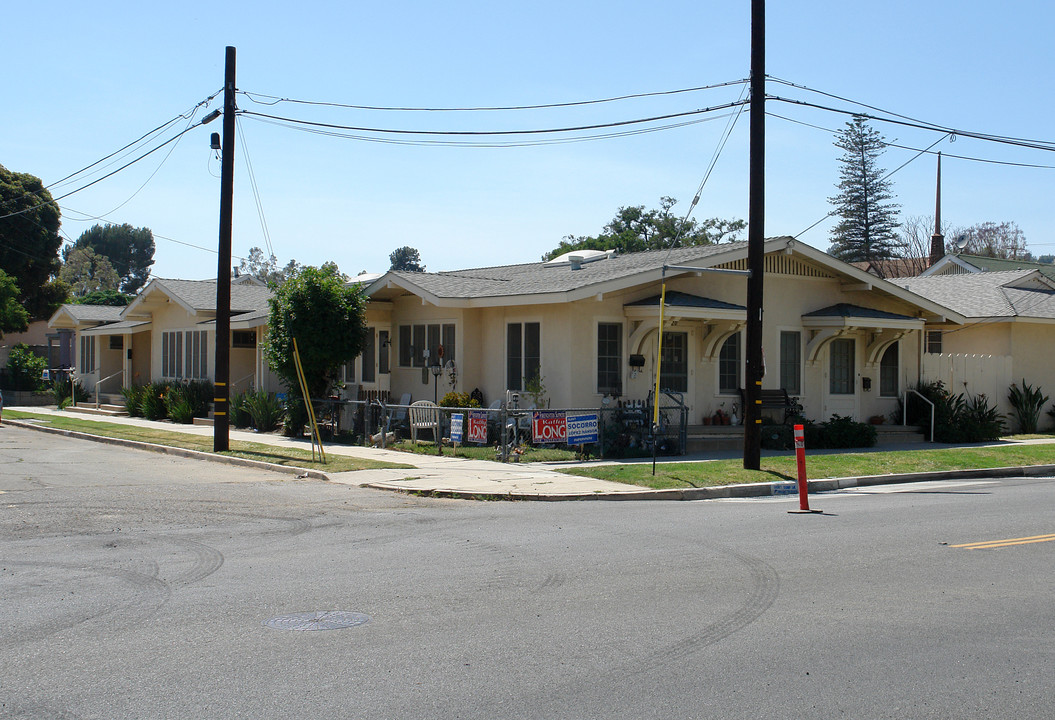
[582,428]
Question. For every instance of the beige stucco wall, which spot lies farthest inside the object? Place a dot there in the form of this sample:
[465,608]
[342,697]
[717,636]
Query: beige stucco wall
[569,344]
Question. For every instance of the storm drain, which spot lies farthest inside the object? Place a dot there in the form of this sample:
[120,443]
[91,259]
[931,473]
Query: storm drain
[325,620]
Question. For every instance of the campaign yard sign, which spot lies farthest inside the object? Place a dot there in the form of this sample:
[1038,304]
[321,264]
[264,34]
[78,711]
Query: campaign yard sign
[478,427]
[582,428]
[456,427]
[548,426]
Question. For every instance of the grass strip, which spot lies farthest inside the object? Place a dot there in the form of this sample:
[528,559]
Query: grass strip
[731,472]
[482,452]
[275,455]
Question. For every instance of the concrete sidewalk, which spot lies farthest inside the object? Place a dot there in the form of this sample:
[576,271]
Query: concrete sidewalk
[460,477]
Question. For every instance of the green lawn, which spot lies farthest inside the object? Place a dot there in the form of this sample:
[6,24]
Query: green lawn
[251,451]
[731,472]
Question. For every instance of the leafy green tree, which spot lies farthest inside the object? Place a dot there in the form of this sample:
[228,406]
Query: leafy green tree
[868,226]
[85,272]
[406,258]
[266,269]
[326,316]
[635,229]
[130,251]
[25,370]
[29,239]
[13,317]
[104,297]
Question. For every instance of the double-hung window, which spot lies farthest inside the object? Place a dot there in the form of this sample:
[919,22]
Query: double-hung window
[888,372]
[610,358]
[791,362]
[729,365]
[523,354]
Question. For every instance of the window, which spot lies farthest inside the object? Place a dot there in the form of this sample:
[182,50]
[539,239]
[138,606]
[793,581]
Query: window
[243,338]
[888,372]
[414,340]
[117,342]
[382,355]
[841,375]
[87,357]
[369,352]
[197,360]
[729,365]
[523,354]
[674,369]
[185,354]
[172,354]
[791,362]
[934,342]
[610,358]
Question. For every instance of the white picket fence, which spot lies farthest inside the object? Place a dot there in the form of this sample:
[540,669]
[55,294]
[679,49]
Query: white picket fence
[989,375]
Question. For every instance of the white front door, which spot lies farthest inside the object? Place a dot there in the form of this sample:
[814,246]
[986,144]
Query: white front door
[840,380]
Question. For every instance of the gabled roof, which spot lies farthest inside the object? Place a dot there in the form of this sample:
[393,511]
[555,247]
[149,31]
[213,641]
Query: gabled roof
[1011,294]
[952,264]
[77,315]
[198,296]
[681,299]
[537,283]
[848,310]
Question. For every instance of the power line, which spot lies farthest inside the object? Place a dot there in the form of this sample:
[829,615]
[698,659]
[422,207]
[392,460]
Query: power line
[480,133]
[276,100]
[256,189]
[490,144]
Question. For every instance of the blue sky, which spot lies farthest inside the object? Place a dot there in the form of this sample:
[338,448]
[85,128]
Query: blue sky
[86,79]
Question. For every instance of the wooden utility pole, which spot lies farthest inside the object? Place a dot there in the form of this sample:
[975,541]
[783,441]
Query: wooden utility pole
[756,240]
[221,402]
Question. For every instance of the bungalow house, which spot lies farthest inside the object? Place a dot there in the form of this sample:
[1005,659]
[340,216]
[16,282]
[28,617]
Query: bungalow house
[1007,336]
[586,324]
[169,333]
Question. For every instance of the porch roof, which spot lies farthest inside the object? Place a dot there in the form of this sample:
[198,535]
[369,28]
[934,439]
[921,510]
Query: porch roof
[124,327]
[687,305]
[847,314]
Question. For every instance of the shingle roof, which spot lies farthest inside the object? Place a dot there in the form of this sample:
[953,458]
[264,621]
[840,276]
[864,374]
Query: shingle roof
[201,294]
[93,313]
[681,299]
[986,294]
[848,310]
[536,278]
[991,264]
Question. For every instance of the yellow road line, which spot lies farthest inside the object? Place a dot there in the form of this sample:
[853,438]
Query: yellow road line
[989,544]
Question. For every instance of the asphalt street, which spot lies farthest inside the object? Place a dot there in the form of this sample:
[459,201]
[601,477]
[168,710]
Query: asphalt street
[135,585]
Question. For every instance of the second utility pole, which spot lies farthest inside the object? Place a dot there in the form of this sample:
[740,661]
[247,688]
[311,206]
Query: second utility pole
[222,372]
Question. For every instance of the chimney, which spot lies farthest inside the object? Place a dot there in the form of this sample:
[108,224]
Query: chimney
[937,240]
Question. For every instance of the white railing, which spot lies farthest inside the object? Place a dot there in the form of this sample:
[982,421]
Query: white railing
[904,406]
[119,372]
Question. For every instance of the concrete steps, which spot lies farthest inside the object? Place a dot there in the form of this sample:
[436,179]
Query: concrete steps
[109,408]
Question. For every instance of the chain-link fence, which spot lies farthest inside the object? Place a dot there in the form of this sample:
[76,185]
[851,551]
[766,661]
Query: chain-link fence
[621,430]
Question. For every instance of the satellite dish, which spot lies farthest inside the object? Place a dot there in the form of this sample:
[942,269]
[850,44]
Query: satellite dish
[961,242]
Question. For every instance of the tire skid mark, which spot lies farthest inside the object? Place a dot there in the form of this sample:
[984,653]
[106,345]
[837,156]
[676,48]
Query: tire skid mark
[207,560]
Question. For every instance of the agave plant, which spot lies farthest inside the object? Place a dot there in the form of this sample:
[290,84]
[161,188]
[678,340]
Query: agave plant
[1026,405]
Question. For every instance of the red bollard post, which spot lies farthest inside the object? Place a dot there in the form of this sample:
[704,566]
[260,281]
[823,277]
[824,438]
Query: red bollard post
[800,457]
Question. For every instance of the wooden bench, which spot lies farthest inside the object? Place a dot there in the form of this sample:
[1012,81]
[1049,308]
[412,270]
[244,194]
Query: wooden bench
[775,400]
[424,415]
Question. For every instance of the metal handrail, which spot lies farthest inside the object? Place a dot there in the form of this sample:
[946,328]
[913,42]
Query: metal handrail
[119,372]
[904,407]
[236,383]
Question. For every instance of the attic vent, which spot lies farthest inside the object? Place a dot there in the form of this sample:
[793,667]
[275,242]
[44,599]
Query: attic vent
[780,264]
[577,258]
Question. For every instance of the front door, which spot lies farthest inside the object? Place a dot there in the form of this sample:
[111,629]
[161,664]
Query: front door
[840,383]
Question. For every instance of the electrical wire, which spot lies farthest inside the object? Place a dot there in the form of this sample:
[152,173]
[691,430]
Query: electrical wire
[491,144]
[253,97]
[914,149]
[256,189]
[480,133]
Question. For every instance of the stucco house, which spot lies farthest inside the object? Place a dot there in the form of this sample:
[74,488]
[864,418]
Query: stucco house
[169,333]
[841,340]
[1007,336]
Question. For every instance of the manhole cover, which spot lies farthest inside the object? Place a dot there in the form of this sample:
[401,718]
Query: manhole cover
[326,620]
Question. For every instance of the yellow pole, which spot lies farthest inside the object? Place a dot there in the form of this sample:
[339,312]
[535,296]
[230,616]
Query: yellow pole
[316,436]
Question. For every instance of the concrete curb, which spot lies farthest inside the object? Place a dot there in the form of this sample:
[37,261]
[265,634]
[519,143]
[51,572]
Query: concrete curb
[179,452]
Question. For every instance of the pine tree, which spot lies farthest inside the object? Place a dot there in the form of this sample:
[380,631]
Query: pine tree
[868,228]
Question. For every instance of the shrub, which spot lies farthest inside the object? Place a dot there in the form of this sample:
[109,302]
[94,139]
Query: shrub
[153,404]
[459,400]
[778,437]
[240,417]
[1026,404]
[60,392]
[25,370]
[133,396]
[296,415]
[844,432]
[265,409]
[199,394]
[957,418]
